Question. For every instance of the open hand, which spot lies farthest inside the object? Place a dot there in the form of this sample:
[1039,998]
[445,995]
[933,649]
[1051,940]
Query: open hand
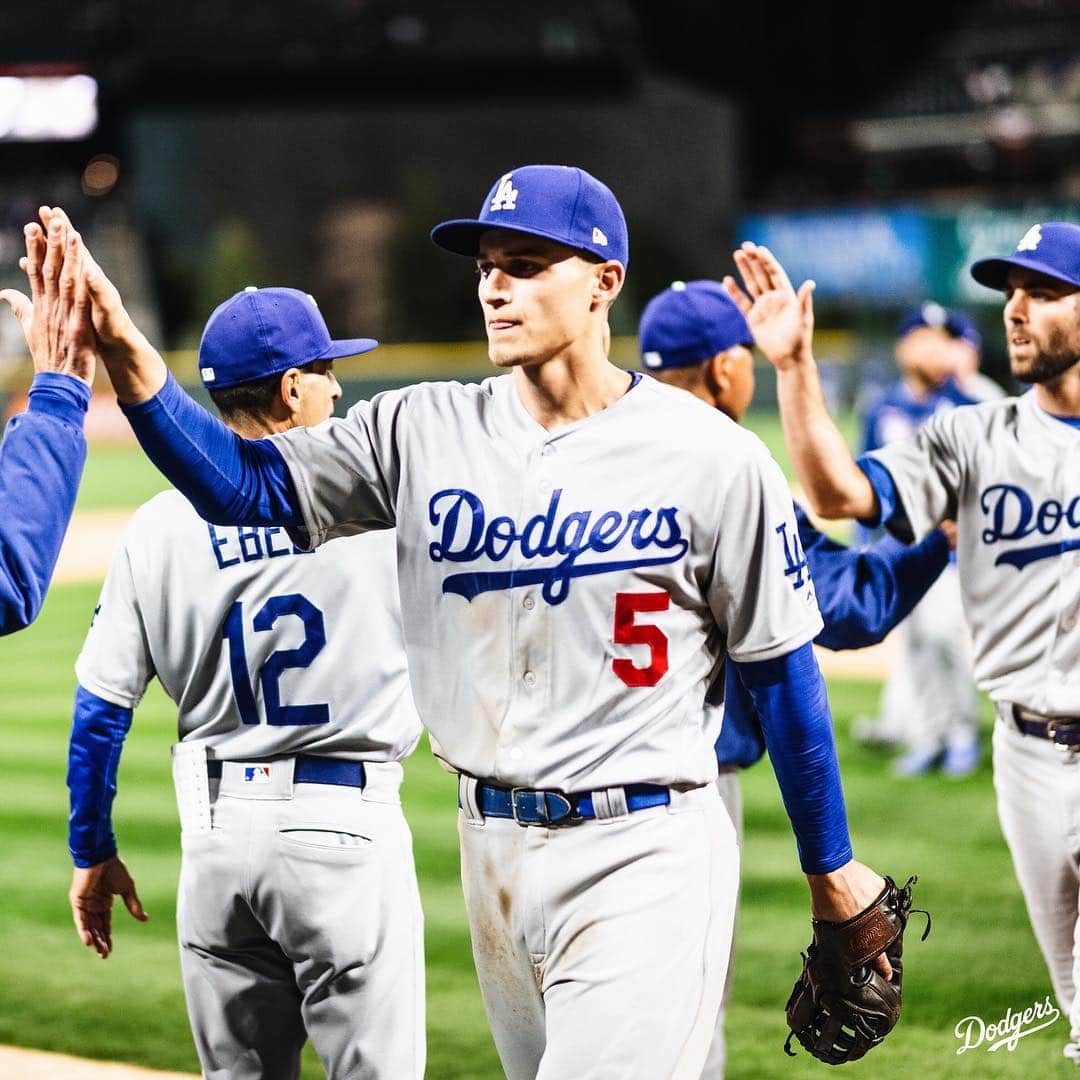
[56,316]
[781,319]
[91,897]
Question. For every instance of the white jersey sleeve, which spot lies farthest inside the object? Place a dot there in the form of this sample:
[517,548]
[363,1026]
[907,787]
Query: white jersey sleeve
[115,662]
[761,593]
[929,470]
[347,470]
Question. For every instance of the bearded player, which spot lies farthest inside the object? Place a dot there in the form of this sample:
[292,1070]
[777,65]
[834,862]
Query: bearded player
[1008,472]
[298,912]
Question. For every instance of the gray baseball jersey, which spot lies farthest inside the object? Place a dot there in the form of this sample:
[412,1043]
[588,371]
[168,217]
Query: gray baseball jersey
[1008,472]
[568,595]
[249,636]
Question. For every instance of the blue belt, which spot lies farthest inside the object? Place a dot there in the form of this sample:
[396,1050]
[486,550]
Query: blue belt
[528,806]
[314,770]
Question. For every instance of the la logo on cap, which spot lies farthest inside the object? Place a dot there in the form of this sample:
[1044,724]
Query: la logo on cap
[1031,239]
[506,194]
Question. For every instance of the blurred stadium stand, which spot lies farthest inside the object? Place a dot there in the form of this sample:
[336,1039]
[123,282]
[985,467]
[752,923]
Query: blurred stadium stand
[315,146]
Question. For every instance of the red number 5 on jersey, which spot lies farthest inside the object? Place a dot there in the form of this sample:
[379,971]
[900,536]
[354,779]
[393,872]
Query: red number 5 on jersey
[628,632]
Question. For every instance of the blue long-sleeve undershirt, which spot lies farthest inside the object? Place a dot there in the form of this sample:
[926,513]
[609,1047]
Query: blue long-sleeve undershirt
[98,729]
[228,479]
[789,697]
[862,594]
[41,463]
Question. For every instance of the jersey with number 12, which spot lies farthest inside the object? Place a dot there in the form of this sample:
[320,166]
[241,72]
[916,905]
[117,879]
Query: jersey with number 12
[266,650]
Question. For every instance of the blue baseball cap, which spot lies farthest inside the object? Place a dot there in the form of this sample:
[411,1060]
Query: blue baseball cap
[260,332]
[955,323]
[688,322]
[1051,248]
[558,202]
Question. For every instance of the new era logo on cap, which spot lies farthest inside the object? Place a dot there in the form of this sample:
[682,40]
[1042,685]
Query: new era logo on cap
[557,202]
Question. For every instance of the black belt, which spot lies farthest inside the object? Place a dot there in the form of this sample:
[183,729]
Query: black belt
[1062,731]
[528,806]
[311,770]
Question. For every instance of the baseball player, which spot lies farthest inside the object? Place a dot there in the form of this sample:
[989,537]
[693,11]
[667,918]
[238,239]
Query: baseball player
[578,550]
[298,911]
[928,703]
[1008,471]
[44,449]
[692,335]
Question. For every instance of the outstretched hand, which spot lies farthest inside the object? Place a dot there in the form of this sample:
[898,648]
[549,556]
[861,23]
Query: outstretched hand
[91,897]
[56,316]
[781,319]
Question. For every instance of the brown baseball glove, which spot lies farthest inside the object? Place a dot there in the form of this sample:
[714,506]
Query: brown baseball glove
[841,1005]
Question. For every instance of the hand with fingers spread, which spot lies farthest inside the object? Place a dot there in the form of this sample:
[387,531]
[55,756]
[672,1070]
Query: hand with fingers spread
[91,897]
[135,367]
[781,319]
[55,318]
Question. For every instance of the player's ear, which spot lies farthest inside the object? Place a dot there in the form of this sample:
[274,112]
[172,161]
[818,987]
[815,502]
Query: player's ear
[291,391]
[718,377]
[608,282]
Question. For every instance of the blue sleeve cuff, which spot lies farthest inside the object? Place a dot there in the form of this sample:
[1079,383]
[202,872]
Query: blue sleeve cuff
[98,729]
[790,699]
[890,509]
[62,396]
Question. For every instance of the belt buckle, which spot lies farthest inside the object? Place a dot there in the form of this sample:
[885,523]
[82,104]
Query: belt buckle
[540,806]
[1061,747]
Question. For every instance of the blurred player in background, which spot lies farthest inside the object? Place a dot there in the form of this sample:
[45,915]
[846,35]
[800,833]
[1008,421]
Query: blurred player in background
[693,336]
[44,449]
[928,704]
[298,910]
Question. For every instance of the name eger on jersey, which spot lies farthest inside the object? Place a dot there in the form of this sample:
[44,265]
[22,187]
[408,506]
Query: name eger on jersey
[1013,515]
[468,535]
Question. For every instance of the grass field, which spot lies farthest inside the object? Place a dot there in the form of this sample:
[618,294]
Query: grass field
[980,960]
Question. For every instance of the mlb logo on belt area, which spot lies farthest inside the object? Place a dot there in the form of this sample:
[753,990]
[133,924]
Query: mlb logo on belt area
[256,774]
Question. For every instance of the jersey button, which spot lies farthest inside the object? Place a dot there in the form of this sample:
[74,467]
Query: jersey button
[528,603]
[548,451]
[1069,623]
[516,753]
[544,486]
[529,679]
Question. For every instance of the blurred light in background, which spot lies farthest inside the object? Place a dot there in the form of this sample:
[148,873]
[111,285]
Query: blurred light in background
[43,108]
[100,175]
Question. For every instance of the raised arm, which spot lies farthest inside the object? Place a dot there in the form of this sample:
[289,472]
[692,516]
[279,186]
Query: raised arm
[44,449]
[782,322]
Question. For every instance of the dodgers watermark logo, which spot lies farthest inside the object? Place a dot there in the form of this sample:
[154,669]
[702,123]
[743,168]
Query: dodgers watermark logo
[974,1032]
[580,538]
[1012,514]
[506,194]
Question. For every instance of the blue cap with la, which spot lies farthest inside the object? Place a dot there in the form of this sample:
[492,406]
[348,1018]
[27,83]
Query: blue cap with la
[260,332]
[688,322]
[1051,248]
[557,202]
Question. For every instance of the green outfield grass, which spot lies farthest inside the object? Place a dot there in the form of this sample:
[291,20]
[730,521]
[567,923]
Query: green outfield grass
[54,994]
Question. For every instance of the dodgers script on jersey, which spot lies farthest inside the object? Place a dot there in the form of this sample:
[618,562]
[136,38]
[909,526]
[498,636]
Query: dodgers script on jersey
[567,595]
[1010,473]
[253,648]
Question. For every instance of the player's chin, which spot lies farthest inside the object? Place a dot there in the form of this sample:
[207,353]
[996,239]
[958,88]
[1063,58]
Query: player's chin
[505,358]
